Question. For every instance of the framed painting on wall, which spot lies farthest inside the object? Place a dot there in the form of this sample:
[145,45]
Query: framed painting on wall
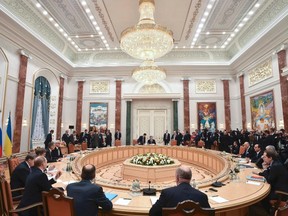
[98,116]
[262,111]
[207,118]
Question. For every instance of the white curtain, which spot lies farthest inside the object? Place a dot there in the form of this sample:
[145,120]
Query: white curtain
[38,133]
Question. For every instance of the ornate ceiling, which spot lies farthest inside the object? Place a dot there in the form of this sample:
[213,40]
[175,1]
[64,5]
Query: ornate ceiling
[86,33]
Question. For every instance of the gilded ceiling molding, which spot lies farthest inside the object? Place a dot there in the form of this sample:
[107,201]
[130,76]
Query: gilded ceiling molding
[99,86]
[260,73]
[101,15]
[192,21]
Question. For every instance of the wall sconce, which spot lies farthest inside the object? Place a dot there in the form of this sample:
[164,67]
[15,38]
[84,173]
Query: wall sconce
[84,125]
[24,123]
[112,126]
[62,125]
[248,125]
[281,124]
[192,126]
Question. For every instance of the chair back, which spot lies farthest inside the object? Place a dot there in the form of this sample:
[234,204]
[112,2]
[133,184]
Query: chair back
[6,197]
[242,150]
[71,148]
[54,200]
[188,208]
[13,162]
[173,142]
[117,142]
[84,146]
[282,211]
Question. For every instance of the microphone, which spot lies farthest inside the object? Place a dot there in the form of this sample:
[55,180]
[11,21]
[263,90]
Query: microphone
[149,191]
[217,184]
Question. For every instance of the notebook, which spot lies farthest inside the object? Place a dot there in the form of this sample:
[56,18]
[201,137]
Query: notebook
[111,196]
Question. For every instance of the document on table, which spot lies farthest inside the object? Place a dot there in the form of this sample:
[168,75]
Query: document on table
[218,199]
[123,201]
[153,199]
[110,196]
[253,183]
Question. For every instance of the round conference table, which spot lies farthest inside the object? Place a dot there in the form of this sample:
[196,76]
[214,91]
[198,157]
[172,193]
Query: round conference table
[232,199]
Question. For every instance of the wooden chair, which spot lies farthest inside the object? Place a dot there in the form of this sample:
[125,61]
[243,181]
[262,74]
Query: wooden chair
[282,211]
[12,162]
[84,146]
[57,204]
[173,142]
[117,142]
[188,208]
[7,204]
[71,148]
[281,202]
[242,150]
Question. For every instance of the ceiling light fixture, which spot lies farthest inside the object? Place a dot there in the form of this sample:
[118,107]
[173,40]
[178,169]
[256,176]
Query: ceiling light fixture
[147,41]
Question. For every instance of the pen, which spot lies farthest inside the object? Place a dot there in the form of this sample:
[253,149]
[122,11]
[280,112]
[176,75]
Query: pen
[214,195]
[127,198]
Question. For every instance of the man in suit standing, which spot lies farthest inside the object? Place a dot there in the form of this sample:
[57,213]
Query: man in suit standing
[88,196]
[166,138]
[37,181]
[66,137]
[48,138]
[21,172]
[142,139]
[117,135]
[170,197]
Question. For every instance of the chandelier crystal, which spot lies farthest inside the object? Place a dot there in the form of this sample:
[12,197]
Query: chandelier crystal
[146,40]
[148,73]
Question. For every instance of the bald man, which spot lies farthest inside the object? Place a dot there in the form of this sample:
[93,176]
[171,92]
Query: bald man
[170,197]
[88,196]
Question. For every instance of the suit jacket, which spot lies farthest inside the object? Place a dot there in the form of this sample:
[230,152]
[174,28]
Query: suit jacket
[49,156]
[256,157]
[19,176]
[48,140]
[141,140]
[166,138]
[87,198]
[36,182]
[277,176]
[151,141]
[170,197]
[56,153]
[248,153]
[65,138]
[117,136]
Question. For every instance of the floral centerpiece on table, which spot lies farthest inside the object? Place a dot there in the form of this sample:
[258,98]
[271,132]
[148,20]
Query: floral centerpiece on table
[151,159]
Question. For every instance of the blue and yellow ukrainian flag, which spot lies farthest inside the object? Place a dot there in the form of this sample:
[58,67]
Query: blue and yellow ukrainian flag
[8,139]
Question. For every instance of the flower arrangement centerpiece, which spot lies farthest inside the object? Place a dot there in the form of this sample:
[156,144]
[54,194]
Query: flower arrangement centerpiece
[151,159]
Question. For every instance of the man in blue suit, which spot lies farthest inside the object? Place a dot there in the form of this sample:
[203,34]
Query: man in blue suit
[170,197]
[88,196]
[36,182]
[21,172]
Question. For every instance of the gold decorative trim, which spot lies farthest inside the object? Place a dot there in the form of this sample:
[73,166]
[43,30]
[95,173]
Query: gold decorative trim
[192,21]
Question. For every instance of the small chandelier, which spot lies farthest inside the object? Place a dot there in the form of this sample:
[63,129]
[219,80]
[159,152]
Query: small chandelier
[148,73]
[146,40]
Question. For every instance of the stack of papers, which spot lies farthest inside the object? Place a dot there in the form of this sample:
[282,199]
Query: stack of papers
[123,201]
[253,183]
[218,199]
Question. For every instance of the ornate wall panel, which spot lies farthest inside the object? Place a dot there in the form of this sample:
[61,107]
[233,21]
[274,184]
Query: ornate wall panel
[205,86]
[260,73]
[99,86]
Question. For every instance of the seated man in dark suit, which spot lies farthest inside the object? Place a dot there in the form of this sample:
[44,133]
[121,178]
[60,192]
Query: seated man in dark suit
[88,196]
[142,139]
[36,182]
[257,154]
[276,175]
[19,175]
[248,151]
[151,140]
[170,197]
[56,152]
[49,156]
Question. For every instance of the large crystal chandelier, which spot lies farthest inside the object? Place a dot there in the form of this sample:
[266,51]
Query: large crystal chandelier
[147,41]
[148,73]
